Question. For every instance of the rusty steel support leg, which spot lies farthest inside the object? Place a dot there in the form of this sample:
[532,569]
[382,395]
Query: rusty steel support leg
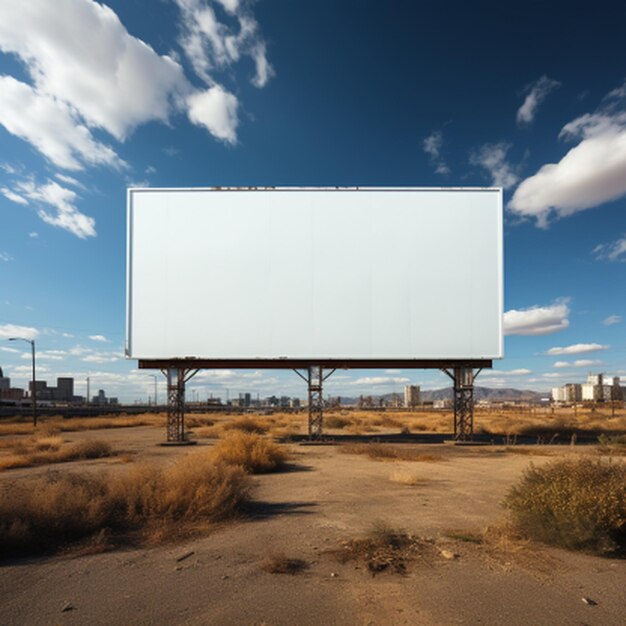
[175,405]
[463,403]
[316,401]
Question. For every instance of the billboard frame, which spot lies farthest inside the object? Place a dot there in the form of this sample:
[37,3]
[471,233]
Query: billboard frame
[180,370]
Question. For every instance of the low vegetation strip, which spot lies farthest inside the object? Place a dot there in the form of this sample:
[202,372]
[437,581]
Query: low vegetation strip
[388,452]
[42,514]
[48,450]
[577,504]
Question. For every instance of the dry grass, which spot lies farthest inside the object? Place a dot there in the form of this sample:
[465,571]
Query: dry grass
[247,425]
[336,422]
[405,477]
[253,453]
[577,503]
[58,424]
[390,452]
[384,549]
[279,563]
[49,450]
[45,513]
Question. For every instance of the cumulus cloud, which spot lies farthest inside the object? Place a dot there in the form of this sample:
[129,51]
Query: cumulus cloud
[537,320]
[212,44]
[98,338]
[216,110]
[577,348]
[577,363]
[536,93]
[614,251]
[492,157]
[50,126]
[432,146]
[612,319]
[591,173]
[89,74]
[61,200]
[14,330]
[5,256]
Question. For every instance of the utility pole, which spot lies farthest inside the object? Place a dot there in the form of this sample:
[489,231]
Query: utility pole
[87,398]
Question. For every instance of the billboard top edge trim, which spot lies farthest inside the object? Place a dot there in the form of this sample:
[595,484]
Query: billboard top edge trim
[464,189]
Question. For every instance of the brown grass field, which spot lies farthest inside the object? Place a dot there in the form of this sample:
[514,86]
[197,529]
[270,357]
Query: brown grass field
[385,522]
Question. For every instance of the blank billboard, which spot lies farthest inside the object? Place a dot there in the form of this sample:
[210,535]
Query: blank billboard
[314,274]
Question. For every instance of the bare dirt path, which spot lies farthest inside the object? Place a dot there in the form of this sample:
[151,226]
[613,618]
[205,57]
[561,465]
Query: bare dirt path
[328,498]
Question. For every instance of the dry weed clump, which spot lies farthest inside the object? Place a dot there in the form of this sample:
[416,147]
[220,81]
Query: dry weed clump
[279,563]
[45,513]
[247,425]
[253,453]
[384,549]
[336,422]
[387,452]
[578,504]
[49,450]
[404,477]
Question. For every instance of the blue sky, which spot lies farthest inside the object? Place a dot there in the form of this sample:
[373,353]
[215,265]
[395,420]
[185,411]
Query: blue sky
[97,97]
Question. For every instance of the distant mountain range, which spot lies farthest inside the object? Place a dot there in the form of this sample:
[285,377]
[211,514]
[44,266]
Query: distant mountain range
[480,393]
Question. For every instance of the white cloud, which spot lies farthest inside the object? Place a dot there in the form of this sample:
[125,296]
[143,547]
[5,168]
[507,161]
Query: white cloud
[590,174]
[51,126]
[612,319]
[537,320]
[515,372]
[380,380]
[216,110]
[33,235]
[62,200]
[11,350]
[211,44]
[492,157]
[577,363]
[614,251]
[14,197]
[89,61]
[14,330]
[98,338]
[99,358]
[577,348]
[432,146]
[5,256]
[536,94]
[69,180]
[88,74]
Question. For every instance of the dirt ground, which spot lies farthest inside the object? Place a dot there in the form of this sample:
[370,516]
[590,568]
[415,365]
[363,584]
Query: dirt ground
[326,498]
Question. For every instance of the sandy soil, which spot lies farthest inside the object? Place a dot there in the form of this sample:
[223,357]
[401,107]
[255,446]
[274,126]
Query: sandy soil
[327,498]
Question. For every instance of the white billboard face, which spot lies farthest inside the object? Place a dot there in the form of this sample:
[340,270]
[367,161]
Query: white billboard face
[315,274]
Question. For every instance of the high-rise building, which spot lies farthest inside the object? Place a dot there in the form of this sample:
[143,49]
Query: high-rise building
[411,396]
[64,390]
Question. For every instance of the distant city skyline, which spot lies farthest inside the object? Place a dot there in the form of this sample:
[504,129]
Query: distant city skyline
[331,93]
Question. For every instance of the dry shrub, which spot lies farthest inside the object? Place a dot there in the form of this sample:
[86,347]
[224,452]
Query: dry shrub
[44,513]
[387,452]
[193,421]
[252,452]
[281,564]
[53,450]
[405,477]
[247,425]
[336,422]
[384,548]
[578,504]
[208,432]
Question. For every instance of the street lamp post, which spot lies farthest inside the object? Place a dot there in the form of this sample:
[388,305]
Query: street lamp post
[34,391]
